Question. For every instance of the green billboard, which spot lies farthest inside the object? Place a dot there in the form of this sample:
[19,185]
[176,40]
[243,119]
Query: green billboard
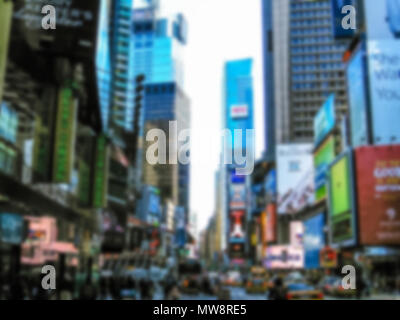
[323,157]
[64,136]
[341,203]
[5,24]
[100,173]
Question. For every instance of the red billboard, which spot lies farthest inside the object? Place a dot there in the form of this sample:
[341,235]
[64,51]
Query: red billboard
[378,194]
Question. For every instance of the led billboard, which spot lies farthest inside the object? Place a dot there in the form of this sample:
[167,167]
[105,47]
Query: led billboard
[284,257]
[100,173]
[237,226]
[341,204]
[237,199]
[323,156]
[314,240]
[64,136]
[357,92]
[325,120]
[378,194]
[295,177]
[76,27]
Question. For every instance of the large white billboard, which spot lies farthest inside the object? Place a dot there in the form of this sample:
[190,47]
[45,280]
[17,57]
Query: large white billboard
[284,257]
[295,177]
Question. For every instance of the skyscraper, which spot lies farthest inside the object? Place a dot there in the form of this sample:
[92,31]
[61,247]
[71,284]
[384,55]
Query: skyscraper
[122,59]
[307,64]
[158,42]
[238,115]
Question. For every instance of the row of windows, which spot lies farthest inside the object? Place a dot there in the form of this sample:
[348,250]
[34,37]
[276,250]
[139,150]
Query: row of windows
[311,40]
[317,85]
[319,66]
[310,31]
[318,48]
[310,22]
[318,75]
[322,95]
[310,14]
[300,4]
[319,57]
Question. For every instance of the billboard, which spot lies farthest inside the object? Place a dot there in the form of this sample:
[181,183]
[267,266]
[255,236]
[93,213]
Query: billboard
[325,120]
[383,67]
[5,24]
[8,123]
[271,223]
[100,173]
[270,185]
[295,177]
[338,16]
[357,92]
[383,47]
[323,157]
[237,226]
[76,26]
[284,257]
[64,136]
[314,240]
[237,253]
[378,194]
[11,228]
[341,203]
[237,199]
[296,233]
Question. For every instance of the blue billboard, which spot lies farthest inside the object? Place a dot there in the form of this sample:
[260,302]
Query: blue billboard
[356,83]
[270,184]
[325,120]
[382,19]
[314,240]
[338,16]
[11,228]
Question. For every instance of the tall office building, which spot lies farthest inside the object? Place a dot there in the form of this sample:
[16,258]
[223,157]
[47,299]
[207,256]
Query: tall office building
[158,43]
[307,64]
[238,115]
[122,59]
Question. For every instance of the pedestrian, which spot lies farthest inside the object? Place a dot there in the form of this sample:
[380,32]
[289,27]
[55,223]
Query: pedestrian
[278,291]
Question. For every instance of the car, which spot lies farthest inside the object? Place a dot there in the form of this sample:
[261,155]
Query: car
[332,286]
[233,279]
[302,291]
[256,285]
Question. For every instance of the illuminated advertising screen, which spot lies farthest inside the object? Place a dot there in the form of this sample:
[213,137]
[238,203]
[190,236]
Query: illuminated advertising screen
[325,120]
[383,49]
[237,253]
[5,19]
[296,233]
[384,66]
[270,185]
[8,123]
[100,173]
[64,136]
[341,200]
[284,257]
[11,228]
[378,194]
[237,199]
[356,82]
[76,26]
[271,223]
[323,157]
[237,226]
[338,16]
[314,241]
[295,177]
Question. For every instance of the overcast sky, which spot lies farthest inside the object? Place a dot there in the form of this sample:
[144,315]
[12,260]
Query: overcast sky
[218,31]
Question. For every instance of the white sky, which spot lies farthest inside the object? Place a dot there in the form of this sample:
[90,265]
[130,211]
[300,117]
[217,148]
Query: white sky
[218,30]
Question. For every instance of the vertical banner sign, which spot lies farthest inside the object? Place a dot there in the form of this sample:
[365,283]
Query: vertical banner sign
[341,201]
[100,173]
[5,19]
[65,136]
[323,157]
